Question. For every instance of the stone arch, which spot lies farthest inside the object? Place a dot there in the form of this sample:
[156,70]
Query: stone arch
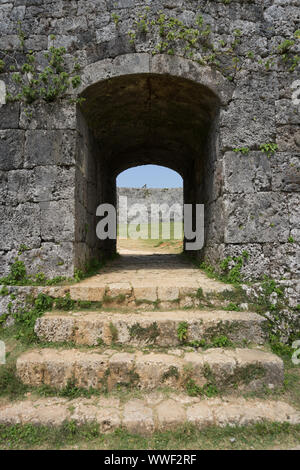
[144,62]
[140,109]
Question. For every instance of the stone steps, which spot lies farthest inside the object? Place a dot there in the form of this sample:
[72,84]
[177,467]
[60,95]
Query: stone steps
[144,328]
[150,288]
[153,412]
[244,369]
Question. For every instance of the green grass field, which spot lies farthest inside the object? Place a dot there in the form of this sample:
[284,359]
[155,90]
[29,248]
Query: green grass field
[158,238]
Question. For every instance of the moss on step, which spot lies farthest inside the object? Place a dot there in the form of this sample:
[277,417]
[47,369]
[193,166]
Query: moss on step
[244,376]
[114,332]
[108,299]
[148,334]
[172,372]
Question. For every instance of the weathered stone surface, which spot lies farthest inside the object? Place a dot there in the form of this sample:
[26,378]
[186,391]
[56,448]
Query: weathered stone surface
[9,116]
[89,328]
[42,184]
[200,415]
[163,108]
[264,260]
[256,86]
[168,293]
[145,293]
[273,370]
[50,116]
[44,147]
[249,173]
[51,412]
[57,220]
[262,217]
[288,138]
[247,123]
[170,414]
[182,67]
[289,256]
[247,369]
[87,293]
[106,412]
[119,288]
[285,170]
[164,278]
[169,200]
[286,112]
[294,211]
[243,412]
[11,149]
[123,65]
[24,227]
[52,258]
[3,185]
[139,417]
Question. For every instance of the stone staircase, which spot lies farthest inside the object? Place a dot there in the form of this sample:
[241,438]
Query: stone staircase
[168,363]
[111,351]
[157,357]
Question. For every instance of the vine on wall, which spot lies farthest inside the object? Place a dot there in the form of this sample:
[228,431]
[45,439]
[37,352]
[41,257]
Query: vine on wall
[168,35]
[48,84]
[196,42]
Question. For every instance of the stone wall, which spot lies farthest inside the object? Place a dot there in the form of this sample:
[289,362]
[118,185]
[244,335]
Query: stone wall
[165,198]
[241,99]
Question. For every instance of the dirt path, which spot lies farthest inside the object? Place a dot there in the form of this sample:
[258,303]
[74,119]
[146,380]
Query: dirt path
[130,246]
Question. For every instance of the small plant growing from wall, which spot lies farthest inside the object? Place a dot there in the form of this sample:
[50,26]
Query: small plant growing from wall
[115,18]
[49,84]
[243,150]
[269,148]
[231,267]
[182,331]
[169,35]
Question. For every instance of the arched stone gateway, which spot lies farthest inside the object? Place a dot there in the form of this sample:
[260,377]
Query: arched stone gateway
[59,160]
[211,90]
[140,109]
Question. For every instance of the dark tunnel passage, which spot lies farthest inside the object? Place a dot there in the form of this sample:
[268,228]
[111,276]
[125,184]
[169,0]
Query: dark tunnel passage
[134,120]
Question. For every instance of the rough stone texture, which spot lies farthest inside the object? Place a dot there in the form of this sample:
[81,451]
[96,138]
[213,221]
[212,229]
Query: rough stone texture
[290,289]
[139,417]
[136,280]
[20,295]
[11,149]
[89,328]
[162,109]
[256,218]
[247,369]
[165,198]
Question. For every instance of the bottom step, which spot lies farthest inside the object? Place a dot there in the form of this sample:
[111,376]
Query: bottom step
[144,416]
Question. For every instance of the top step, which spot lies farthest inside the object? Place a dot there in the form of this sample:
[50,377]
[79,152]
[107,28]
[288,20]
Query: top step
[166,329]
[134,280]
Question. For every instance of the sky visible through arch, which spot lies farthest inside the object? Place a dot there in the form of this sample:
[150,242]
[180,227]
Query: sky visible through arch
[154,176]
